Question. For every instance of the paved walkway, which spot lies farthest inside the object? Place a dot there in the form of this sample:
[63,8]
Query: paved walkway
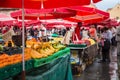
[101,71]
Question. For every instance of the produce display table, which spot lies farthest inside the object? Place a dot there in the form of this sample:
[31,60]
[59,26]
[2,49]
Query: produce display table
[54,67]
[81,57]
[58,69]
[14,69]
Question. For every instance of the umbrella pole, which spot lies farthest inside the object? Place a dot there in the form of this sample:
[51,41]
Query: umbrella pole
[42,5]
[23,43]
[46,29]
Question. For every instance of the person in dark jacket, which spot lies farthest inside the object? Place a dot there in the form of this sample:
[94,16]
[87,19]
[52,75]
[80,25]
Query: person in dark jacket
[106,37]
[32,31]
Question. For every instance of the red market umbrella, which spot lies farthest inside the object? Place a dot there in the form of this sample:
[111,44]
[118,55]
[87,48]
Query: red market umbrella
[35,14]
[88,14]
[109,22]
[59,26]
[33,23]
[38,4]
[6,20]
[28,23]
[58,23]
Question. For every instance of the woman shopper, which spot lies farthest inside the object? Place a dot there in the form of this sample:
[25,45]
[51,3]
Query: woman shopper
[66,39]
[106,42]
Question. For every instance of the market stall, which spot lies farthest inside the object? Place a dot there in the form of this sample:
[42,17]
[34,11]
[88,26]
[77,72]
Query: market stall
[50,55]
[39,62]
[82,56]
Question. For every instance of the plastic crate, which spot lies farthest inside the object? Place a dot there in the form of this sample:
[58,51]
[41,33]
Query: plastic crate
[55,71]
[66,50]
[15,69]
[39,62]
[4,72]
[57,54]
[77,45]
[29,64]
[61,52]
[55,35]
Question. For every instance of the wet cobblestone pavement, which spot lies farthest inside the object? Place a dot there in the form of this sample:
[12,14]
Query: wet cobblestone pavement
[101,71]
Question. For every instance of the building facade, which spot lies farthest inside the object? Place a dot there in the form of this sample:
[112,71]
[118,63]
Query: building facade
[114,12]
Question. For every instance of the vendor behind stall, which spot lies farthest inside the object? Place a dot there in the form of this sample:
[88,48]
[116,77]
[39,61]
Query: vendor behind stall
[76,33]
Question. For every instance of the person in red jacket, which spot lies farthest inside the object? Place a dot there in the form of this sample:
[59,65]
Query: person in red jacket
[76,34]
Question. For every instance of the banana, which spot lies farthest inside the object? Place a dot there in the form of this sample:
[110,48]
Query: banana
[42,52]
[51,48]
[35,54]
[48,51]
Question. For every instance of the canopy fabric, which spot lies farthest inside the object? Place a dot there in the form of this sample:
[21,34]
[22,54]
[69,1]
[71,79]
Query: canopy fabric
[95,1]
[87,14]
[38,4]
[6,20]
[4,17]
[35,14]
[58,23]
[48,23]
[109,22]
[28,23]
